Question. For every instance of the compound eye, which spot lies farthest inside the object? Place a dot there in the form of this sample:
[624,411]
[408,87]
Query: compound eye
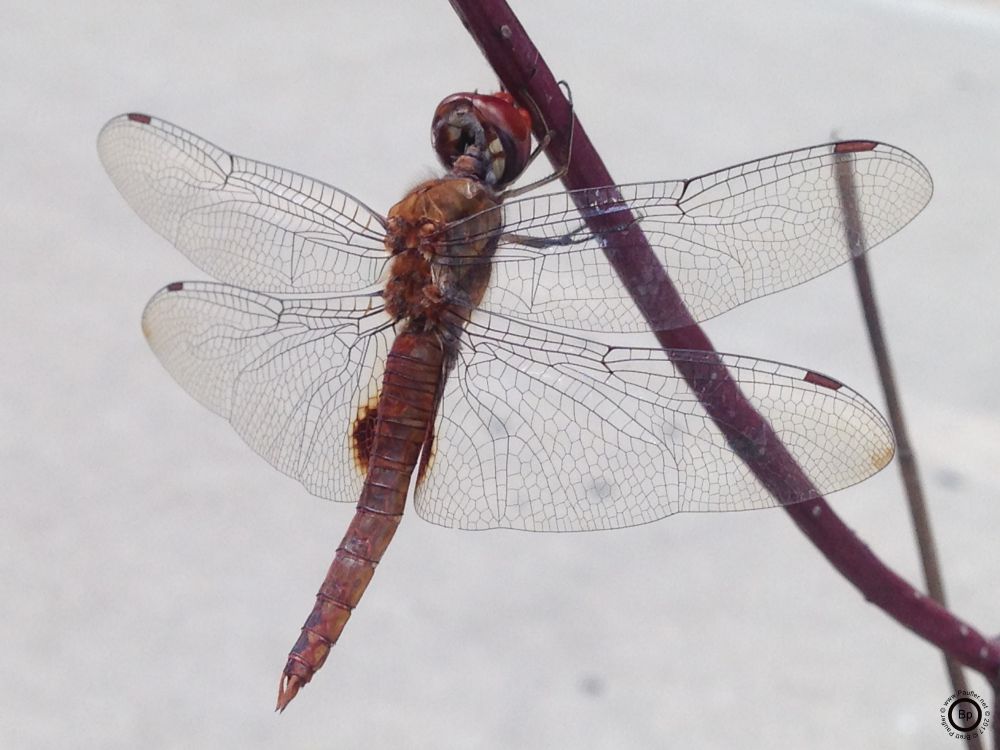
[493,129]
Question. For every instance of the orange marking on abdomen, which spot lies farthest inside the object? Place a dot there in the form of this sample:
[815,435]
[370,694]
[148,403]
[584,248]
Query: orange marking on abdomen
[363,434]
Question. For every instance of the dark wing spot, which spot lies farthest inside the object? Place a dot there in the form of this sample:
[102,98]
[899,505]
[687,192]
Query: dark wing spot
[363,434]
[823,381]
[850,147]
[137,117]
[176,286]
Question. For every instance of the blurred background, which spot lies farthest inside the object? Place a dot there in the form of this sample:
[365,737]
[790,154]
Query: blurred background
[156,571]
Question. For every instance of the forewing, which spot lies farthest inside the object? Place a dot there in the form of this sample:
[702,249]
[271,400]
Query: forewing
[242,221]
[546,432]
[725,238]
[291,375]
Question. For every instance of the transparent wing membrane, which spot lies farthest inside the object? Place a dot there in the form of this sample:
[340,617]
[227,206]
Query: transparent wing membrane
[242,221]
[548,432]
[536,429]
[725,238]
[290,375]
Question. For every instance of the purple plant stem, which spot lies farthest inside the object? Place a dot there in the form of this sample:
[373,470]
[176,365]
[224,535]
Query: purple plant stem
[996,724]
[522,70]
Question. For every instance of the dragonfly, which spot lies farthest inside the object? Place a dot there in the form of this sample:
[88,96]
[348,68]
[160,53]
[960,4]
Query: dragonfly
[457,343]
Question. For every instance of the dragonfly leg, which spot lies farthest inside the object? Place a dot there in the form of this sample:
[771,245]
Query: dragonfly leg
[578,236]
[542,145]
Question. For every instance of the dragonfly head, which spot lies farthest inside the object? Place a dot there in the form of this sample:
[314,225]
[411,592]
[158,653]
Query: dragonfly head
[488,137]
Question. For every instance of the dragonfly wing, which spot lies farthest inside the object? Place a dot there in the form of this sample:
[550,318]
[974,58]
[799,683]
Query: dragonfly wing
[547,432]
[292,376]
[725,238]
[242,221]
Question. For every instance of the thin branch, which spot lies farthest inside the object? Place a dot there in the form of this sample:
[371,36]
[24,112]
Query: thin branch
[522,70]
[907,459]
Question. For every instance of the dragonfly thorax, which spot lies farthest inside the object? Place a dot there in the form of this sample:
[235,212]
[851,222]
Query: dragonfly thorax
[436,264]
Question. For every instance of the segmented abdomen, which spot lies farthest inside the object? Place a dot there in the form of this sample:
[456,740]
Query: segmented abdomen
[406,406]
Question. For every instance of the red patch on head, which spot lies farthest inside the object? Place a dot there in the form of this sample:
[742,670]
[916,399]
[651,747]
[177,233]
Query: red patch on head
[137,117]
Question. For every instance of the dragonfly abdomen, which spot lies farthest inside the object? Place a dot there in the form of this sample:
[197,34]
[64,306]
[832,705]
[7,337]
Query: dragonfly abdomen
[405,412]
